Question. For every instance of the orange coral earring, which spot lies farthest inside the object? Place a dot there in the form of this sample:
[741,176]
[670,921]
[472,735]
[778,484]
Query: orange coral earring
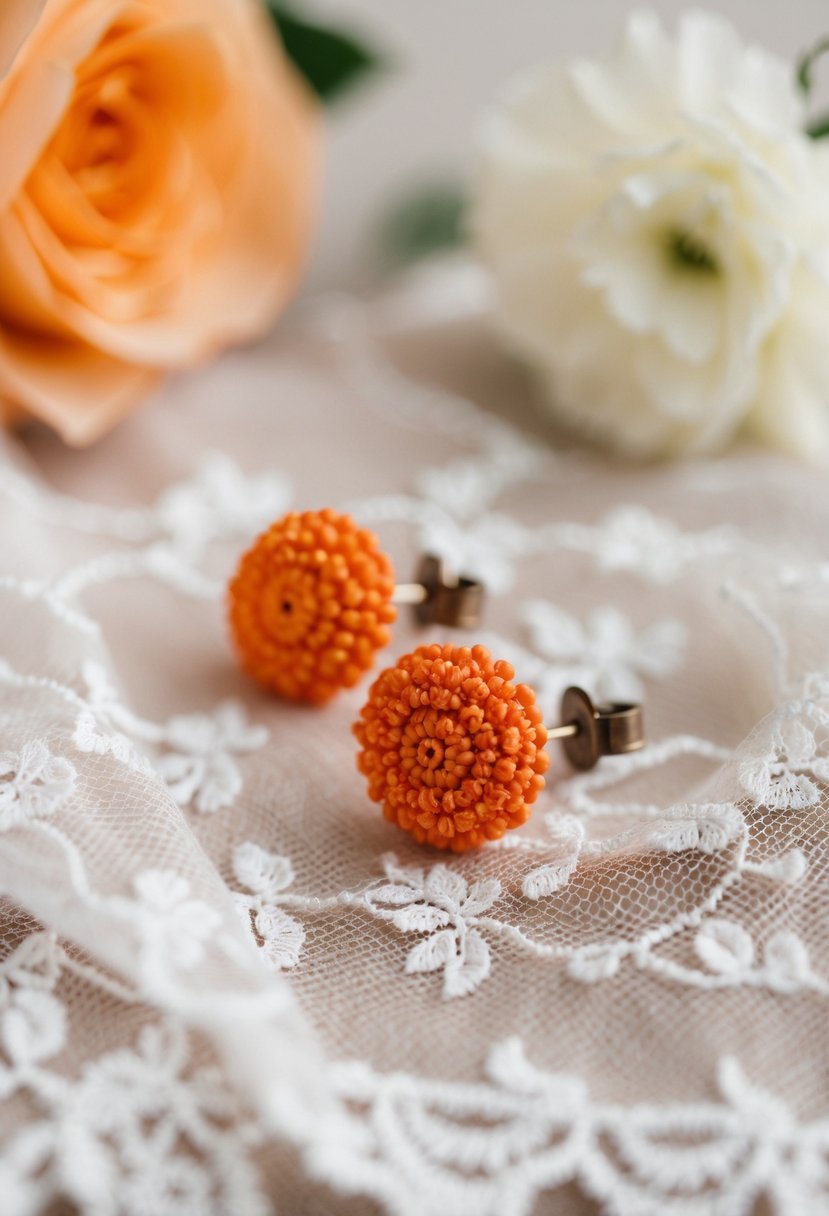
[313,598]
[454,751]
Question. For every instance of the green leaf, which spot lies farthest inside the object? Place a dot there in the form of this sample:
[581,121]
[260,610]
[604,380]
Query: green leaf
[818,128]
[806,63]
[423,224]
[332,61]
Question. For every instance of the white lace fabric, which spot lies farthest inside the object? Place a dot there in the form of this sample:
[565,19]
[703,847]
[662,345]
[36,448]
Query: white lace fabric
[227,985]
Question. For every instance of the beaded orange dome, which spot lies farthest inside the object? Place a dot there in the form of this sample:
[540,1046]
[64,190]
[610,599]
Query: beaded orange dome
[452,748]
[310,604]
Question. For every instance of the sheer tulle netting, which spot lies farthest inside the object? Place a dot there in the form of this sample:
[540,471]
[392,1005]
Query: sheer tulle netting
[229,986]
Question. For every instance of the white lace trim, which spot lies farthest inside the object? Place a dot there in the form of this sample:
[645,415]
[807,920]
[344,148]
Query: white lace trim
[489,1149]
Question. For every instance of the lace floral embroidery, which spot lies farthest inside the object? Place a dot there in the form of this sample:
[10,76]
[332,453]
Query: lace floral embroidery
[201,769]
[444,908]
[33,783]
[174,927]
[605,653]
[32,1019]
[488,1149]
[266,875]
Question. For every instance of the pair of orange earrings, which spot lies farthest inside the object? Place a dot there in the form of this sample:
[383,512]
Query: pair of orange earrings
[453,750]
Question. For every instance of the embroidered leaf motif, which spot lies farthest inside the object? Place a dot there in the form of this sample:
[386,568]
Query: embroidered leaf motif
[482,895]
[391,893]
[445,884]
[420,918]
[724,946]
[264,873]
[546,880]
[34,964]
[432,953]
[786,960]
[467,968]
[593,967]
[789,867]
[33,1026]
[280,937]
[183,776]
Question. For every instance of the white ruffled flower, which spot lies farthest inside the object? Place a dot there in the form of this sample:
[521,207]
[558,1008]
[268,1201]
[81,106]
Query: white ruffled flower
[657,228]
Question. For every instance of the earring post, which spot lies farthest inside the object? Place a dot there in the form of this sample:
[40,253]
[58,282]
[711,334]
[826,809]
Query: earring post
[410,593]
[563,732]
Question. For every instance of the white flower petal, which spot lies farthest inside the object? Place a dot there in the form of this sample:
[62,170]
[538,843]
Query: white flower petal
[788,867]
[647,217]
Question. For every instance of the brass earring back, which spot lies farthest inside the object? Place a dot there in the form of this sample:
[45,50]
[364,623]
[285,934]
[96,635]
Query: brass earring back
[440,597]
[590,731]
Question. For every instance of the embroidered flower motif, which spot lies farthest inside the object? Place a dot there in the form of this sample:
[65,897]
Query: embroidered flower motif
[782,778]
[445,909]
[467,486]
[32,1019]
[202,770]
[279,936]
[609,657]
[452,749]
[156,1132]
[631,538]
[220,501]
[174,928]
[485,548]
[33,783]
[310,604]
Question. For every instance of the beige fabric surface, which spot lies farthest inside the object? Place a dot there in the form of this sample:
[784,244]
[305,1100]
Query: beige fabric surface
[633,1019]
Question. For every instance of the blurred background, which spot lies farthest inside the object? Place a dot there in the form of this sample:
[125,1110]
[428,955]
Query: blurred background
[408,130]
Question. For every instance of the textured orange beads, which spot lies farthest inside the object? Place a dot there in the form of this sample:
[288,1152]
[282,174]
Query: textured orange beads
[451,748]
[310,604]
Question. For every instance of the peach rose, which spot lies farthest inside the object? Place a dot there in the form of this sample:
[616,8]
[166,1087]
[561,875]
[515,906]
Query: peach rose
[157,169]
